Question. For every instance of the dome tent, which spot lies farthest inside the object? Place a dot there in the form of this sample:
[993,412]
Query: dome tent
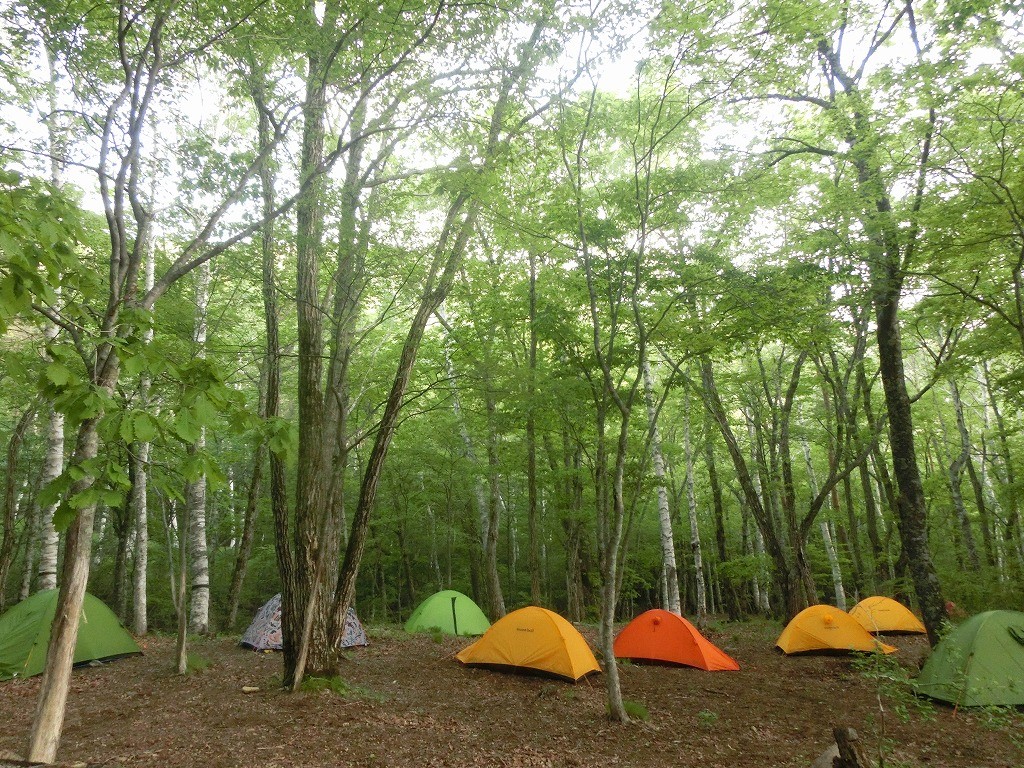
[533,639]
[264,634]
[25,634]
[658,635]
[450,612]
[978,664]
[827,628]
[883,614]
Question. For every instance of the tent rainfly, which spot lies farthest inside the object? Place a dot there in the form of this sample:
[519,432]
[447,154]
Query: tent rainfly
[25,635]
[883,614]
[978,664]
[658,635]
[533,639]
[450,612]
[264,634]
[827,628]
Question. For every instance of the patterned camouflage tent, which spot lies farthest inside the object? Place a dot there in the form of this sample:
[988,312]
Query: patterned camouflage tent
[264,634]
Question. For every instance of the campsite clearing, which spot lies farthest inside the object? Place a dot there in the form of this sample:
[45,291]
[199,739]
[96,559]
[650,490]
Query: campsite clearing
[413,705]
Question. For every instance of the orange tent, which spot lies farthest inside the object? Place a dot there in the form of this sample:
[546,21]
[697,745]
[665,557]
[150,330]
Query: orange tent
[658,635]
[883,614]
[533,639]
[826,628]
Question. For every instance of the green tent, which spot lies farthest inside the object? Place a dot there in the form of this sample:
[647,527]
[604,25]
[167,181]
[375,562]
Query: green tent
[25,634]
[450,612]
[978,664]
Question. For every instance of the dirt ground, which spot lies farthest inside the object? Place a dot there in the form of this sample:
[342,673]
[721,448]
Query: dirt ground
[412,704]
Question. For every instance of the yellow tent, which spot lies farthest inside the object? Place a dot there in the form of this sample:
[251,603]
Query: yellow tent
[826,628]
[883,614]
[536,639]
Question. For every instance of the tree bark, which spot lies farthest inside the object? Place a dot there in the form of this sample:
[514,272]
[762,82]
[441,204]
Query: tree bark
[885,261]
[533,533]
[53,464]
[785,577]
[670,572]
[10,487]
[955,476]
[195,491]
[691,506]
[53,689]
[139,506]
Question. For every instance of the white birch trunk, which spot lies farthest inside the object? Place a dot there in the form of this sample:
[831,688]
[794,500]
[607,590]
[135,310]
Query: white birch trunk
[52,467]
[826,535]
[760,595]
[833,561]
[199,607]
[30,555]
[54,461]
[140,504]
[479,488]
[691,503]
[669,569]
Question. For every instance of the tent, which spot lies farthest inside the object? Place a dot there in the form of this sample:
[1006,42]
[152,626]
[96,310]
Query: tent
[450,612]
[25,634]
[658,635]
[978,664]
[264,634]
[533,639]
[826,628]
[883,614]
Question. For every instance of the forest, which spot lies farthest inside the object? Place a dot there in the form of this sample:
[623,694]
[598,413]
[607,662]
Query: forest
[588,304]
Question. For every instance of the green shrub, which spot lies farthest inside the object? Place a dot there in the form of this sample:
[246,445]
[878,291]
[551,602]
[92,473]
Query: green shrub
[196,663]
[707,718]
[636,710]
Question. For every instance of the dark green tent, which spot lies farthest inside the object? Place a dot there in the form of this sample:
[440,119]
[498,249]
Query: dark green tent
[450,612]
[25,633]
[978,664]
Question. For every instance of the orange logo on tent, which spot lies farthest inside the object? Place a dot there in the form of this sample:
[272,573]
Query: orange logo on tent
[826,628]
[658,635]
[533,639]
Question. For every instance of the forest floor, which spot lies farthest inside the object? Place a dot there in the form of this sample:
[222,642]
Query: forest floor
[410,703]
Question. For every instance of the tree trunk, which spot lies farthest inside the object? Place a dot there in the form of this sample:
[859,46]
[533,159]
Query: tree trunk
[955,476]
[10,486]
[53,465]
[885,270]
[53,689]
[1011,528]
[252,500]
[181,641]
[785,576]
[195,491]
[139,506]
[533,533]
[731,601]
[826,535]
[691,505]
[496,599]
[670,573]
[31,536]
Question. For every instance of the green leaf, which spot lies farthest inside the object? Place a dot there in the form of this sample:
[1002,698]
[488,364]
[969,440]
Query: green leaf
[205,412]
[125,430]
[112,498]
[186,427]
[284,439]
[134,365]
[63,516]
[192,468]
[146,428]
